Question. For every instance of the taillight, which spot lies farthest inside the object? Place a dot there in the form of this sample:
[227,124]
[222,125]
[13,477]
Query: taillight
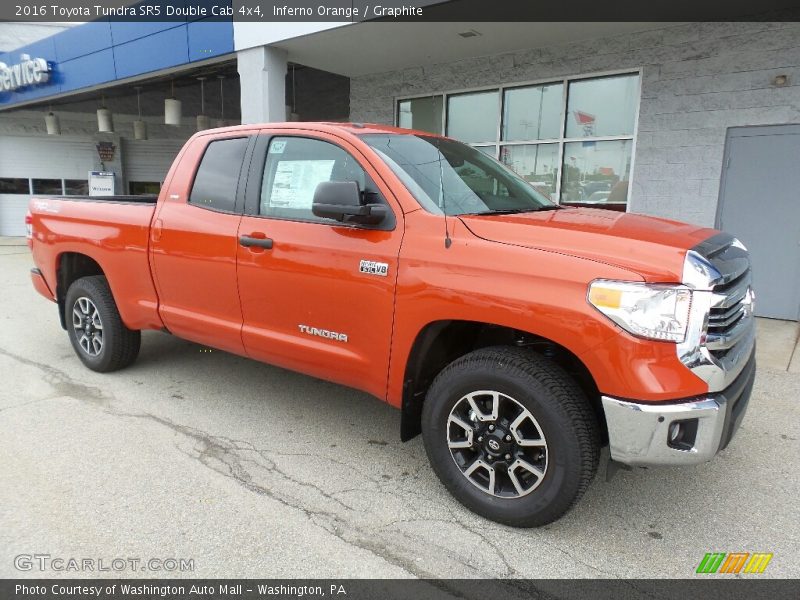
[29,229]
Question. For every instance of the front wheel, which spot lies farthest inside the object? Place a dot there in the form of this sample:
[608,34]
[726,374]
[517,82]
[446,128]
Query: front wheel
[511,436]
[100,338]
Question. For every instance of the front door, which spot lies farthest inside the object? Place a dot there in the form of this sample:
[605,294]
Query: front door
[760,205]
[317,296]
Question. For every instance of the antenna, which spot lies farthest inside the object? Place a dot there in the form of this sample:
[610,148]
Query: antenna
[443,199]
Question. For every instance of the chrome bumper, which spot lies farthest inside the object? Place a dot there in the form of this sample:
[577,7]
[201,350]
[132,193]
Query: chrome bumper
[640,434]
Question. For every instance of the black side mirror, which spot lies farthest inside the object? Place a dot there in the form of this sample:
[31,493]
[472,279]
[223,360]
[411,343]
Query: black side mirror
[341,200]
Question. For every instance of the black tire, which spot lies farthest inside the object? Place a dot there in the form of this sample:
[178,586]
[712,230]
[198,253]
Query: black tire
[118,346]
[563,415]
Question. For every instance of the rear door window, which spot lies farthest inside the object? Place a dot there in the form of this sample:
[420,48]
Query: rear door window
[217,176]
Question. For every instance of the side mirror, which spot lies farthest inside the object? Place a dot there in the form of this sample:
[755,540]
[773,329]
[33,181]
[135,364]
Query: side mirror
[341,200]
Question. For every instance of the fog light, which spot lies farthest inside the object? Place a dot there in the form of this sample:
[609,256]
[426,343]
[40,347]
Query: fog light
[682,435]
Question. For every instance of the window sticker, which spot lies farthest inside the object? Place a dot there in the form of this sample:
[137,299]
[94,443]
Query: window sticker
[277,147]
[296,181]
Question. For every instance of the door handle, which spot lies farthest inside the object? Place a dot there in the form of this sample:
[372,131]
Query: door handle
[249,241]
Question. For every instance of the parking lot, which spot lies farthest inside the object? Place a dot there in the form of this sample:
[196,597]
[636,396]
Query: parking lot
[253,471]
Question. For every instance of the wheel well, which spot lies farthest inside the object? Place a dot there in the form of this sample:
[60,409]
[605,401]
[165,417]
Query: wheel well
[71,266]
[442,342]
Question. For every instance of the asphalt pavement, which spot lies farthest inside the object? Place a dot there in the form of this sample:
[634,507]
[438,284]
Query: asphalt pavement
[247,470]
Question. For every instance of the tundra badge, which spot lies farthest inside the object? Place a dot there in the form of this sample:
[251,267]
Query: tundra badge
[323,333]
[370,267]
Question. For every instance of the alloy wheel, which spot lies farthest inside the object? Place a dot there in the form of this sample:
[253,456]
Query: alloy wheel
[88,326]
[497,444]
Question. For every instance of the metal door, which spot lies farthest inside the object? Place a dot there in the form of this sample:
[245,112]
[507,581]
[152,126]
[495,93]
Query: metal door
[760,205]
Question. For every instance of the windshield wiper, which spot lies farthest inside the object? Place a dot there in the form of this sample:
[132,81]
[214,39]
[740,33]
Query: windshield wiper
[515,211]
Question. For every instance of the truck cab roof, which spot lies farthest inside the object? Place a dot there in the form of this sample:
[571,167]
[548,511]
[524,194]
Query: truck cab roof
[327,126]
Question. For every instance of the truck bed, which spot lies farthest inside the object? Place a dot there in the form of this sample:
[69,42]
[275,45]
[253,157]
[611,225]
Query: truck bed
[113,231]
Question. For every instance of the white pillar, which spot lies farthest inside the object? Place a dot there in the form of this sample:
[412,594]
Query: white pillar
[262,79]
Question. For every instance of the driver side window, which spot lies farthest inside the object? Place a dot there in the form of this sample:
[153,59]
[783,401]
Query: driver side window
[295,166]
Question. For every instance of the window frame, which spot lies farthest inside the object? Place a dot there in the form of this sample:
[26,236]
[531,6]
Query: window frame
[258,163]
[562,140]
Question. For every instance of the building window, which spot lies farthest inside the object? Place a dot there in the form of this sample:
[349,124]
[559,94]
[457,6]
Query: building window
[76,187]
[533,112]
[572,139]
[602,107]
[537,163]
[596,173]
[14,185]
[144,188]
[424,114]
[472,118]
[48,187]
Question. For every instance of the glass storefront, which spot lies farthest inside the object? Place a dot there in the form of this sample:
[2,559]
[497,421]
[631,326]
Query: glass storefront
[533,112]
[461,112]
[596,173]
[572,139]
[424,114]
[537,163]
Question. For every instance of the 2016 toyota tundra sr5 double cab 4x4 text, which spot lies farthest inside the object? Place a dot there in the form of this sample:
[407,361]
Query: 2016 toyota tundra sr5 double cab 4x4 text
[516,335]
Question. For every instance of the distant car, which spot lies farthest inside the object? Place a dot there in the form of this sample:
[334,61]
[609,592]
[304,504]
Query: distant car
[590,187]
[543,187]
[598,197]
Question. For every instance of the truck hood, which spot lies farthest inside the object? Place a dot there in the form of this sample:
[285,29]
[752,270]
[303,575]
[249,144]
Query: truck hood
[651,247]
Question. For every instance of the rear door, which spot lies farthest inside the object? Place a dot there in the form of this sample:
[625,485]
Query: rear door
[194,243]
[317,296]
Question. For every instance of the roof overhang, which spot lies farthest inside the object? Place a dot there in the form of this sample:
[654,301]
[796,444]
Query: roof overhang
[374,47]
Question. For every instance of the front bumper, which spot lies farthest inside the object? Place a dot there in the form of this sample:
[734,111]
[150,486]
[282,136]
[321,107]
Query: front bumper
[640,434]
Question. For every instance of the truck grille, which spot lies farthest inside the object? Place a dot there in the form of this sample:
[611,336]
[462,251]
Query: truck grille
[730,320]
[730,315]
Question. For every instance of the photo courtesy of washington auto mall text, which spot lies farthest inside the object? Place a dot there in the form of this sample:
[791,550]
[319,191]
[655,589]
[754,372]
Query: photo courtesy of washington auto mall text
[399,300]
[135,589]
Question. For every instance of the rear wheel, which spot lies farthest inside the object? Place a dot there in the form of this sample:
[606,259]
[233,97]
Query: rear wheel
[95,328]
[511,436]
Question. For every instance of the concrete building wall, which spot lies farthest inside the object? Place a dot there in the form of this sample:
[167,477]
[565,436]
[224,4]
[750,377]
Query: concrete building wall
[698,80]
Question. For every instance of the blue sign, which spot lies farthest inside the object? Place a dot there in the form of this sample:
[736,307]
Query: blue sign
[104,51]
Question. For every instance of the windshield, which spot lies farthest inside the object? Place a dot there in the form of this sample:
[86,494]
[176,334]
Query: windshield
[449,177]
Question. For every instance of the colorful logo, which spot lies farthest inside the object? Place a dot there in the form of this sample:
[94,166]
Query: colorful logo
[734,562]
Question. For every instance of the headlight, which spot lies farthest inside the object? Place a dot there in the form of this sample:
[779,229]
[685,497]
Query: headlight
[654,311]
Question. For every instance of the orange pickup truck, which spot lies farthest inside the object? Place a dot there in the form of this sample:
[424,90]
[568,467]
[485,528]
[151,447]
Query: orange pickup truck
[516,335]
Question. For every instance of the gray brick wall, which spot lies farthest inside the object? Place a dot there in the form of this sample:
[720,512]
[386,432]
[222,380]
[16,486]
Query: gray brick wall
[697,80]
